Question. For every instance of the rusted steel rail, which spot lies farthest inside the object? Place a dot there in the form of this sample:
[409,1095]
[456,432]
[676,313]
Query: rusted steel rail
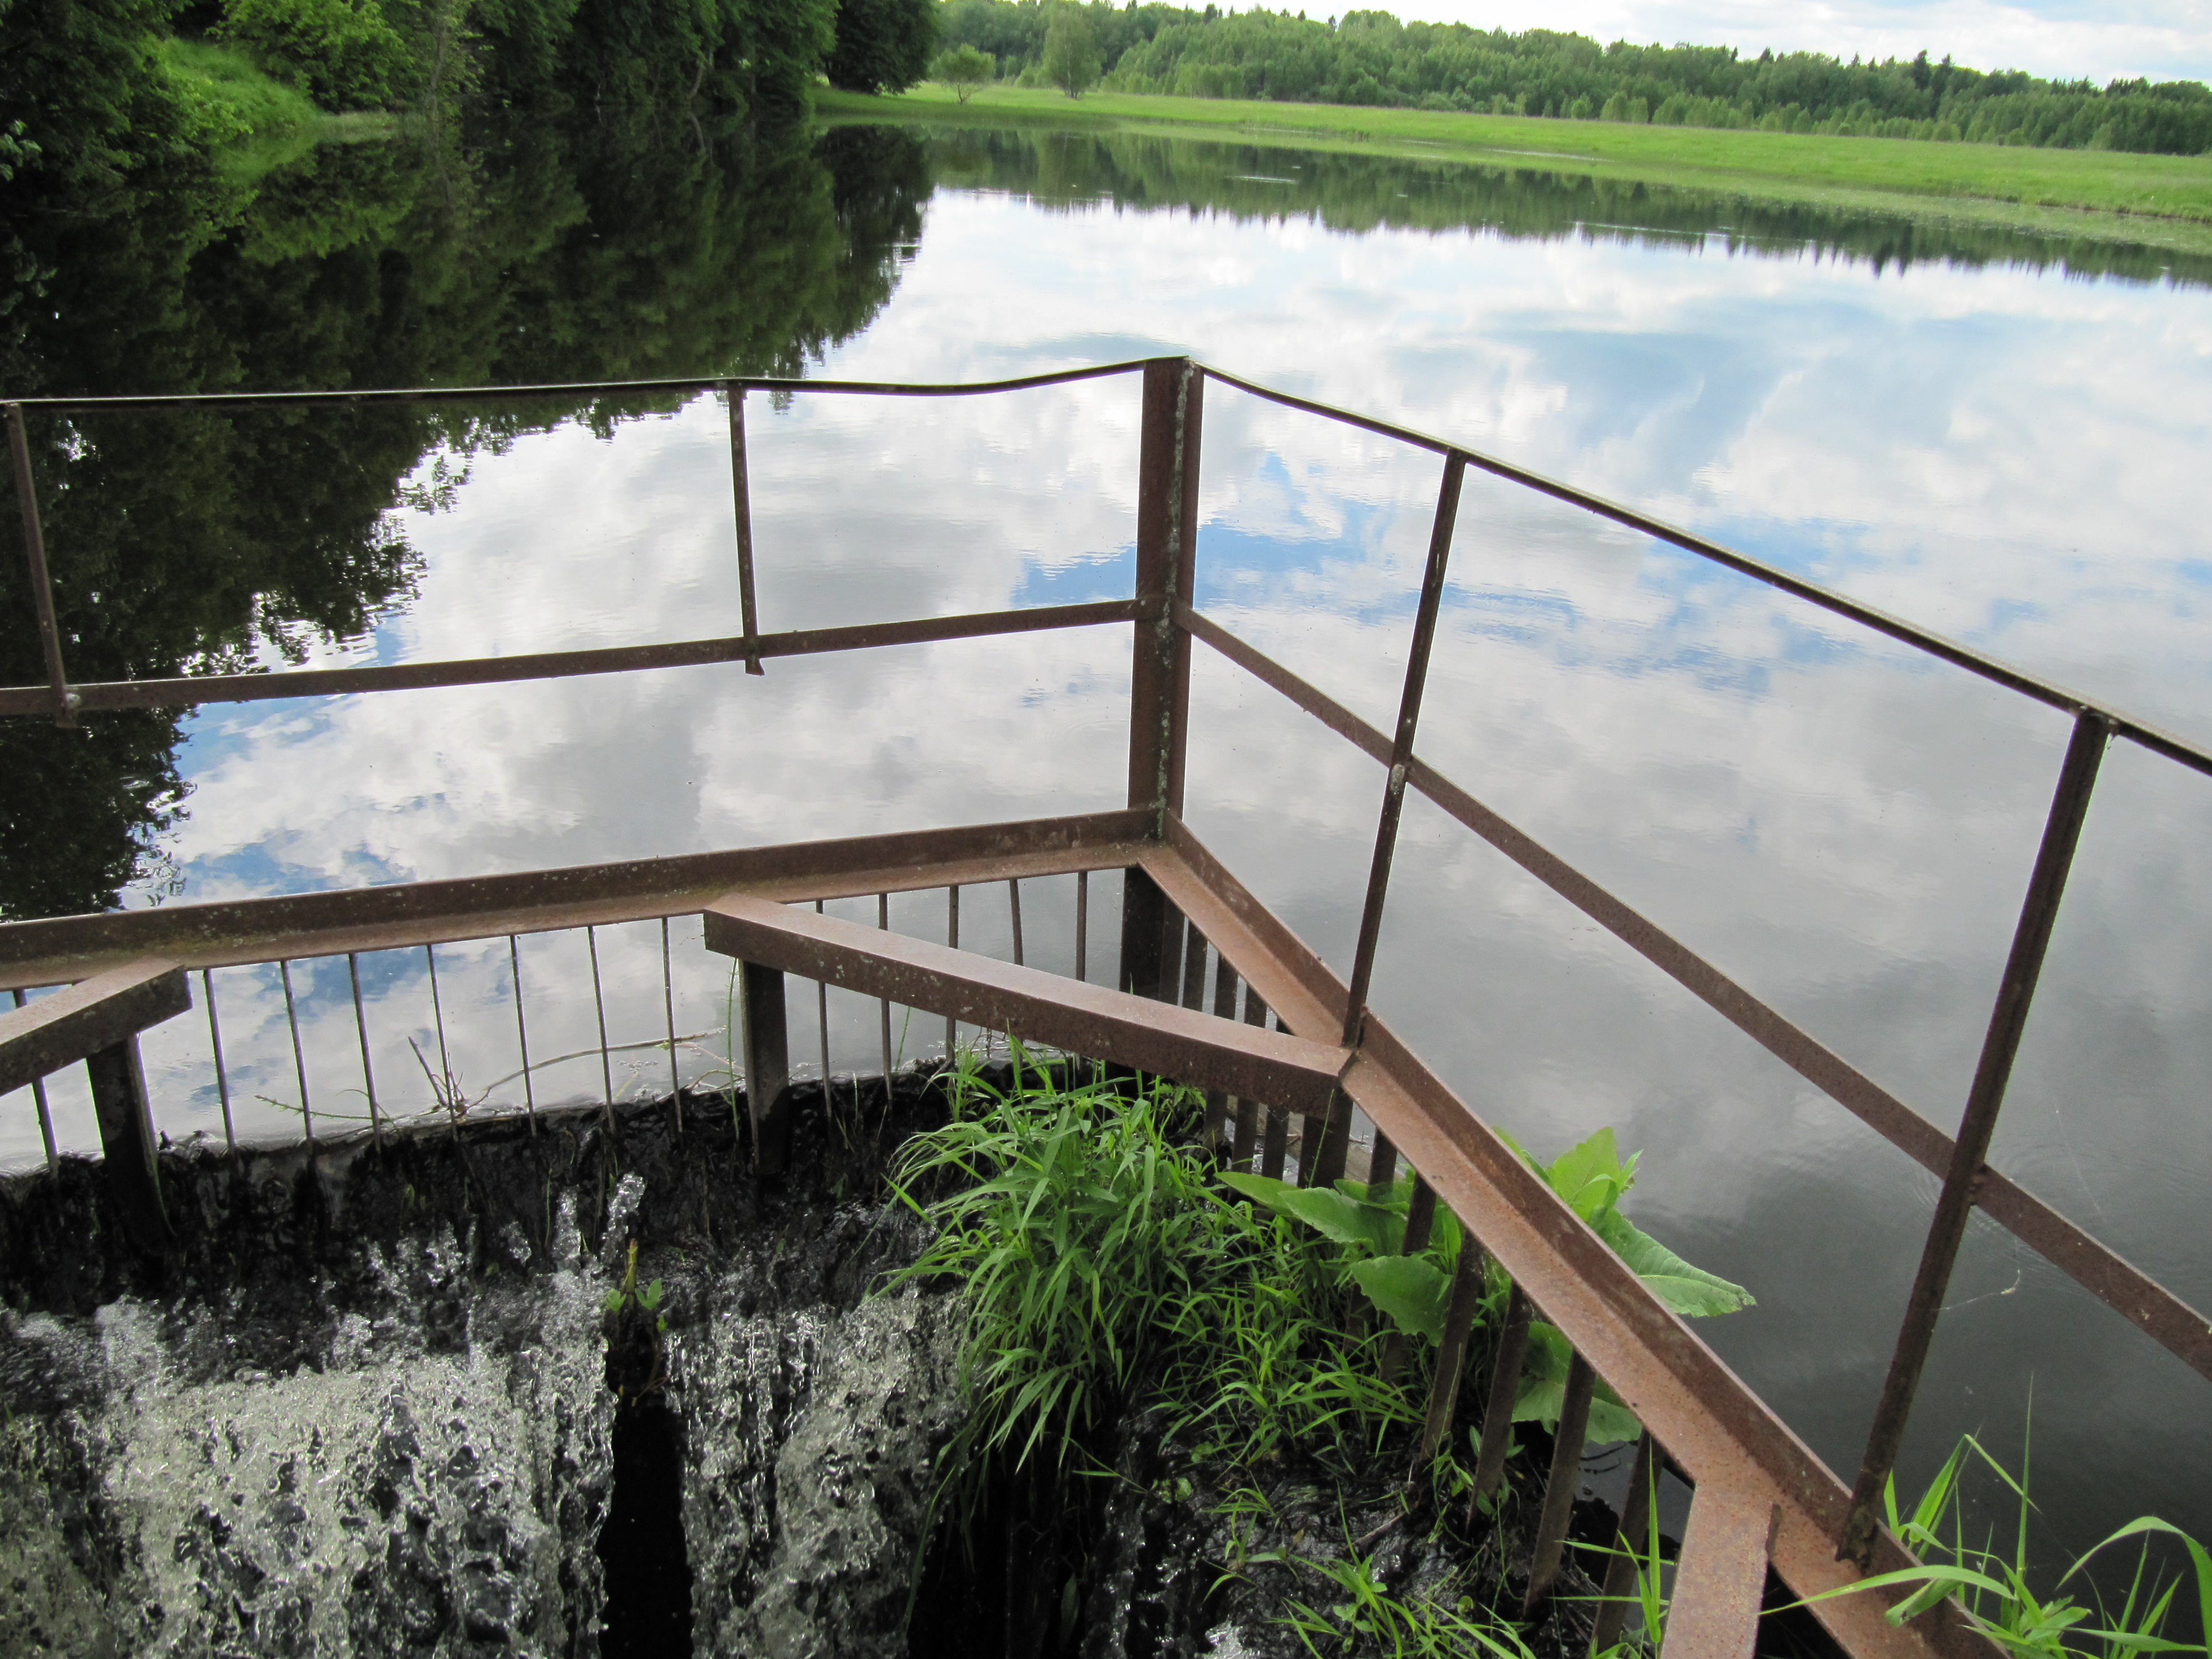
[302,925]
[185,691]
[2134,1294]
[1762,1496]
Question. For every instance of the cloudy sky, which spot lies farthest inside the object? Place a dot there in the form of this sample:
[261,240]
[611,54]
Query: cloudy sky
[2164,39]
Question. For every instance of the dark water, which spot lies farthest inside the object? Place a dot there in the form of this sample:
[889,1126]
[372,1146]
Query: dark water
[1997,434]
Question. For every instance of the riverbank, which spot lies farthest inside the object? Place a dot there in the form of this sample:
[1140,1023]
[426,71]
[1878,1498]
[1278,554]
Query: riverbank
[2160,201]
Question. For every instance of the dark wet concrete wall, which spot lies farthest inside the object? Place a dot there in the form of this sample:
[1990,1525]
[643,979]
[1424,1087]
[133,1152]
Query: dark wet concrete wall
[363,1405]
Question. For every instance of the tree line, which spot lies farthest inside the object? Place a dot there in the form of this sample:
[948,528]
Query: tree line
[93,92]
[1369,58]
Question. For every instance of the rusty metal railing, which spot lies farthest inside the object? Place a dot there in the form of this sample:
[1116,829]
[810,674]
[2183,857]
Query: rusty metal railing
[1761,1495]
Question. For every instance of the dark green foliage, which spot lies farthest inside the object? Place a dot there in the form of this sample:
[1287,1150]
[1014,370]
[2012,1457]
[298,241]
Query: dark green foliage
[86,94]
[1370,58]
[342,52]
[83,95]
[635,55]
[883,46]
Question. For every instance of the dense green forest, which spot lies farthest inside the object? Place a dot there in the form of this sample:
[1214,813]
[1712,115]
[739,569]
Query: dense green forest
[196,540]
[1369,58]
[96,91]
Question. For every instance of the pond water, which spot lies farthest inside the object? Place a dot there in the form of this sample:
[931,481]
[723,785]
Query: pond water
[1997,436]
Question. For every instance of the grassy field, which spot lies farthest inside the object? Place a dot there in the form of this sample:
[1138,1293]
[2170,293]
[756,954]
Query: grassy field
[2163,200]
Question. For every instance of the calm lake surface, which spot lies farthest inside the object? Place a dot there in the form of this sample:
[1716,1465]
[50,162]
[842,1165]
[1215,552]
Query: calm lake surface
[2000,438]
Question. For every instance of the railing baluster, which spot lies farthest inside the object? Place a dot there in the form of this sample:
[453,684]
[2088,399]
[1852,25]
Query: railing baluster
[951,942]
[741,496]
[46,1117]
[1559,1486]
[361,1029]
[1504,1391]
[1451,1354]
[1014,909]
[822,1026]
[1275,1143]
[1225,1007]
[1720,1579]
[1401,745]
[765,1035]
[42,586]
[600,1004]
[1082,920]
[883,921]
[668,1006]
[522,1032]
[1246,1121]
[2038,915]
[1381,1167]
[1634,1538]
[299,1056]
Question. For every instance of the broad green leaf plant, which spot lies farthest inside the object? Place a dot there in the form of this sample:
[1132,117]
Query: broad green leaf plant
[1411,1291]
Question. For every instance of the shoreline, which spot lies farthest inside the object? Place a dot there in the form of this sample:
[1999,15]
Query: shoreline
[2153,200]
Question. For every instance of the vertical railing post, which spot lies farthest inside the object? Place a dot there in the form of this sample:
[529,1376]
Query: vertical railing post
[742,500]
[1504,1390]
[1328,1161]
[1561,1484]
[1451,1354]
[126,1141]
[1159,668]
[668,1010]
[360,1030]
[46,1116]
[2038,914]
[42,586]
[1401,745]
[951,942]
[765,1035]
[884,1004]
[1633,1539]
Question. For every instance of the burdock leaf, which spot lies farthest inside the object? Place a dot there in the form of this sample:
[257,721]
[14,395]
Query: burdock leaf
[1690,1292]
[1408,1289]
[1333,1214]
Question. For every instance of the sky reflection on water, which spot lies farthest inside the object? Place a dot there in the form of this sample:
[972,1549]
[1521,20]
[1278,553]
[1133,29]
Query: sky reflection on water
[2012,457]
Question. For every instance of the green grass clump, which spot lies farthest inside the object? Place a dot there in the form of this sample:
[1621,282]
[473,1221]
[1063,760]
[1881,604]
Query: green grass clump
[1074,1219]
[1110,1267]
[1990,1583]
[1108,1264]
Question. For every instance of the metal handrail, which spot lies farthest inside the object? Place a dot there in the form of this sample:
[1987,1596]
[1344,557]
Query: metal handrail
[1999,673]
[1165,624]
[424,394]
[2173,746]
